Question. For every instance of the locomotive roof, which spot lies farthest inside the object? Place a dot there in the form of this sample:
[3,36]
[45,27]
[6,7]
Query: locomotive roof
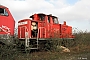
[52,16]
[43,14]
[1,6]
[38,14]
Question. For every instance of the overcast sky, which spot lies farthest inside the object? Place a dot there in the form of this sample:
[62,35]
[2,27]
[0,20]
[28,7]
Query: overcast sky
[75,12]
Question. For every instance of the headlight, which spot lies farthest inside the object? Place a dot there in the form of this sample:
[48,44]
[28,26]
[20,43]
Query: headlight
[33,26]
[33,23]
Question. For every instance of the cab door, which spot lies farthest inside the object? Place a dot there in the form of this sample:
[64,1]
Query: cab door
[48,27]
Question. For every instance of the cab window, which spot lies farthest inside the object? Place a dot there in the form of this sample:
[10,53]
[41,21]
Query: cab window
[48,19]
[41,17]
[55,20]
[3,12]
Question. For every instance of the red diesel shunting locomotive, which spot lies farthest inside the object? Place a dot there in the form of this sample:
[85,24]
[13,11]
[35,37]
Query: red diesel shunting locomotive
[7,25]
[42,27]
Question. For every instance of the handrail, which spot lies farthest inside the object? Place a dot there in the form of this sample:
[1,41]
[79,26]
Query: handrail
[37,37]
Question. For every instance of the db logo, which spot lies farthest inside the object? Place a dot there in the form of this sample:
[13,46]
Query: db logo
[5,29]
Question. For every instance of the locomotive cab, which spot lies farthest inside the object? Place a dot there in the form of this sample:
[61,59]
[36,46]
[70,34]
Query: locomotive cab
[46,25]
